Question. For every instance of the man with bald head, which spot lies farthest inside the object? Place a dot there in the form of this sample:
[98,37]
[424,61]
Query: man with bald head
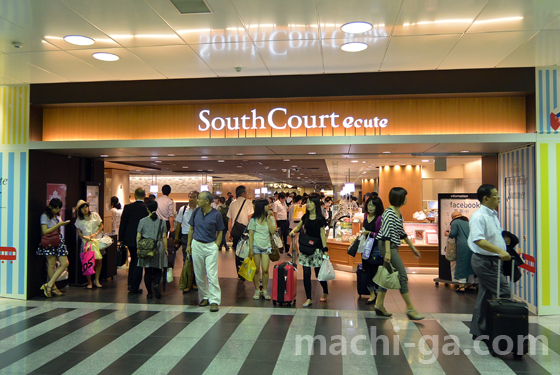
[205,237]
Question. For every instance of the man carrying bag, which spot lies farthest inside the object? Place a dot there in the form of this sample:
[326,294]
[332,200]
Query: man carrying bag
[239,214]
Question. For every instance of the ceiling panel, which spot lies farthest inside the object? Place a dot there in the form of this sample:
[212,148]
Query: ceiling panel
[11,33]
[338,61]
[8,81]
[42,18]
[554,25]
[504,15]
[174,61]
[131,23]
[418,52]
[62,64]
[426,17]
[282,57]
[541,50]
[127,68]
[484,50]
[224,57]
[222,26]
[16,67]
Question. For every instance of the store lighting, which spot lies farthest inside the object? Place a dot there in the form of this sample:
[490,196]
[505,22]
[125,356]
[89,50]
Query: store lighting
[203,188]
[322,190]
[185,166]
[312,153]
[386,152]
[104,156]
[79,40]
[204,157]
[104,56]
[153,188]
[264,190]
[170,154]
[153,157]
[425,161]
[240,154]
[257,191]
[286,159]
[350,187]
[353,47]
[157,161]
[221,161]
[356,27]
[354,161]
[465,151]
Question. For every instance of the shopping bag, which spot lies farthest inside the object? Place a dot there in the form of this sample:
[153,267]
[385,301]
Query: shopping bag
[248,269]
[277,240]
[326,272]
[299,211]
[169,277]
[88,263]
[187,275]
[369,244]
[93,245]
[362,244]
[353,249]
[242,249]
[104,242]
[451,250]
[386,279]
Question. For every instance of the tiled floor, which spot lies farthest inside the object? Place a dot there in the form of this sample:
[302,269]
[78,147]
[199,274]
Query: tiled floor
[106,331]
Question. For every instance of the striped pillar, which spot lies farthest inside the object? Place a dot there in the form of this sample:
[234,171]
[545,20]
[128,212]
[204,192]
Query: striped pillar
[548,182]
[14,136]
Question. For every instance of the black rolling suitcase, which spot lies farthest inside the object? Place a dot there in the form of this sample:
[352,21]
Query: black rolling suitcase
[362,281]
[507,323]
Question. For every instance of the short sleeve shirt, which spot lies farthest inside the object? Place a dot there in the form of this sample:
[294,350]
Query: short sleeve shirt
[165,208]
[206,225]
[485,225]
[88,227]
[245,213]
[261,236]
[183,218]
[281,210]
[49,222]
[391,228]
[313,227]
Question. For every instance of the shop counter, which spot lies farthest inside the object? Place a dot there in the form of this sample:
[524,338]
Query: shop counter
[338,253]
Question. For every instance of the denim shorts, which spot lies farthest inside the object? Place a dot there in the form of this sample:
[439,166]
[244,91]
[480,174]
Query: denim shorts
[258,251]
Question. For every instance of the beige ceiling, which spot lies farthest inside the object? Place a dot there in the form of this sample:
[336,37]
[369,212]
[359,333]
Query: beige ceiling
[266,37]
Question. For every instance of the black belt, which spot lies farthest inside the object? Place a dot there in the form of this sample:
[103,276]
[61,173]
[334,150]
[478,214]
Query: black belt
[486,256]
[204,242]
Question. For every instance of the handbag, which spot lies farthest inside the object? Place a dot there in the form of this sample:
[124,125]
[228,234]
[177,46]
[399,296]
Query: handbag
[386,279]
[147,247]
[451,250]
[187,275]
[88,263]
[238,229]
[353,249]
[275,237]
[169,277]
[122,256]
[242,249]
[51,239]
[275,253]
[104,242]
[307,244]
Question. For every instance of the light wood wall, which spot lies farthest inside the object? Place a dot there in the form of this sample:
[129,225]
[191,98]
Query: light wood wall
[370,185]
[408,177]
[487,115]
[251,186]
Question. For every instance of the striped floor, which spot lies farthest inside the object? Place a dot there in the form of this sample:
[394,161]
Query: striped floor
[57,337]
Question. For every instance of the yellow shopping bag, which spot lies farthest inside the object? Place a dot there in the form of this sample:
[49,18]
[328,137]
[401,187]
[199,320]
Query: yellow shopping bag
[248,269]
[299,211]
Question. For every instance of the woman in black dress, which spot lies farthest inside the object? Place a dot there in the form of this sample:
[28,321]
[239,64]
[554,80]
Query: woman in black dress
[372,225]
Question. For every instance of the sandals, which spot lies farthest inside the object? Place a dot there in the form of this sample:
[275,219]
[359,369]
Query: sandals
[47,290]
[266,296]
[257,295]
[57,292]
[461,289]
[90,286]
[307,304]
[323,299]
[97,285]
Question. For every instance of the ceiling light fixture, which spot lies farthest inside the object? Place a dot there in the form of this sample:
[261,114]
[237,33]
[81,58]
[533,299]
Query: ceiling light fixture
[286,159]
[386,152]
[240,154]
[154,157]
[170,154]
[221,161]
[425,161]
[79,40]
[354,161]
[104,56]
[465,151]
[357,27]
[104,156]
[204,157]
[311,153]
[353,47]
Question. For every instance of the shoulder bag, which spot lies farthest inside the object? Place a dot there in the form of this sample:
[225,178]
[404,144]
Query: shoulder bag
[308,244]
[238,228]
[147,247]
[451,248]
[51,239]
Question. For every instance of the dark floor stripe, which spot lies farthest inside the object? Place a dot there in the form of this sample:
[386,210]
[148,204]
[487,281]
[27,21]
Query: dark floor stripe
[21,351]
[143,351]
[386,361]
[553,338]
[265,352]
[82,351]
[30,322]
[15,310]
[203,352]
[327,327]
[449,363]
[523,367]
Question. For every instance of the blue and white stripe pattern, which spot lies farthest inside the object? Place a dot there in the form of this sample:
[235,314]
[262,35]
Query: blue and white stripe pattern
[547,98]
[518,212]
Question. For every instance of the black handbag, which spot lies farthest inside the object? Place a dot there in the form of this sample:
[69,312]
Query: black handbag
[353,249]
[237,229]
[308,244]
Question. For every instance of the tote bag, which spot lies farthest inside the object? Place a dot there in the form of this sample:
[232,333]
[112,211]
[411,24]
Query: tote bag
[88,263]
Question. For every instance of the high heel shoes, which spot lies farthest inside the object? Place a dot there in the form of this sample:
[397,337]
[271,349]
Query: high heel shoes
[382,312]
[47,290]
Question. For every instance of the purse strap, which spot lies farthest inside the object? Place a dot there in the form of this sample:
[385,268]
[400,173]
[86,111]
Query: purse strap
[240,208]
[159,231]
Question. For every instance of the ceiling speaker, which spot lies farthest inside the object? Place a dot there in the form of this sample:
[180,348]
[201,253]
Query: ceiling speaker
[440,164]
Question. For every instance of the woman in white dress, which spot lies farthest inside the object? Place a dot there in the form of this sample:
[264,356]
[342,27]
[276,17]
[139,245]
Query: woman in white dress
[116,213]
[90,227]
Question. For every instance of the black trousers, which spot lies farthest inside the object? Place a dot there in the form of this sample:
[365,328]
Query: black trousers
[370,270]
[307,281]
[238,260]
[152,275]
[284,226]
[134,272]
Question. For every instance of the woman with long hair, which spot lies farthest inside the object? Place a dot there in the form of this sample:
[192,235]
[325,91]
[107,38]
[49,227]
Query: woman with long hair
[50,222]
[260,227]
[90,226]
[149,227]
[372,225]
[314,225]
[116,213]
[389,237]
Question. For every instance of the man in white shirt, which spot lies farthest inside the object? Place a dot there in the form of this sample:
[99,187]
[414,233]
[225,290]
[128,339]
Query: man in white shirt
[244,208]
[488,247]
[280,210]
[166,208]
[182,228]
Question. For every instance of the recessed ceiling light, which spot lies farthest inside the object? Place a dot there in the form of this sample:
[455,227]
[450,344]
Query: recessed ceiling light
[154,157]
[221,161]
[157,161]
[170,154]
[199,170]
[286,159]
[354,161]
[204,157]
[465,151]
[104,56]
[153,163]
[364,162]
[185,166]
[353,47]
[239,166]
[356,27]
[425,161]
[104,156]
[210,170]
[240,154]
[386,152]
[79,40]
[312,153]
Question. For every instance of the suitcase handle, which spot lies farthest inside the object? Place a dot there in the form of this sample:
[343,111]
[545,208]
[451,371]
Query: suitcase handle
[510,278]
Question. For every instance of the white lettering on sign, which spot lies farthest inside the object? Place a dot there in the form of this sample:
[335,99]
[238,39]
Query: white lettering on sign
[255,121]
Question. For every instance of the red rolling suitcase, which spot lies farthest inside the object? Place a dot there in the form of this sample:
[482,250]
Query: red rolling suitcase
[284,284]
[507,322]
